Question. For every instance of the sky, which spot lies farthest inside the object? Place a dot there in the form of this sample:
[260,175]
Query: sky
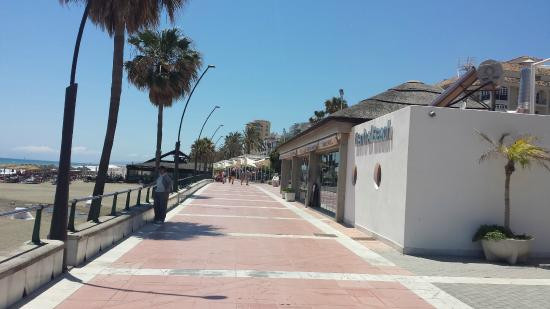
[277,60]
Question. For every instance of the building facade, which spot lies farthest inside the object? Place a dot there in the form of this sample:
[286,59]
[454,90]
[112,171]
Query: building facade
[507,94]
[263,127]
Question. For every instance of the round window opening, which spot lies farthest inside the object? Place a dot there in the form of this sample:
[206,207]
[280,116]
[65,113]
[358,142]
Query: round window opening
[354,175]
[377,175]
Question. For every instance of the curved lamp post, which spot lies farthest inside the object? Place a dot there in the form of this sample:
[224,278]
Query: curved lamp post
[177,148]
[58,228]
[212,138]
[200,133]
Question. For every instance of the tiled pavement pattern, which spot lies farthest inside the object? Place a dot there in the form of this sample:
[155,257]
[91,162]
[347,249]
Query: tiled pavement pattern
[242,247]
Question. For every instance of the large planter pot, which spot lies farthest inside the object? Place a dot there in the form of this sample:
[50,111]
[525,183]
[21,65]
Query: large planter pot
[509,250]
[290,196]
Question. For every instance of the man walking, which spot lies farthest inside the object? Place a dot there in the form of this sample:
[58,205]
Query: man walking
[164,183]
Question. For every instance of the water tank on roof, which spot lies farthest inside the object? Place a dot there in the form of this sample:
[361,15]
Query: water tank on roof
[524,88]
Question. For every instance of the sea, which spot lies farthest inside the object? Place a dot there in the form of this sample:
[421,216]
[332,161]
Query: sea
[55,163]
[27,161]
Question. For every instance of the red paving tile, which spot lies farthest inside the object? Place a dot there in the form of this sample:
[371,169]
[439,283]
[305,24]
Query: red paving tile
[239,211]
[255,253]
[195,242]
[192,292]
[258,226]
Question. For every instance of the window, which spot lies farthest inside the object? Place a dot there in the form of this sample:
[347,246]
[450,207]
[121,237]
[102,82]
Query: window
[541,98]
[484,95]
[377,175]
[354,180]
[502,94]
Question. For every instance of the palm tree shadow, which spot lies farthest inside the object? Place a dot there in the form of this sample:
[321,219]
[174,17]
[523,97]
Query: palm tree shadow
[199,197]
[208,297]
[183,231]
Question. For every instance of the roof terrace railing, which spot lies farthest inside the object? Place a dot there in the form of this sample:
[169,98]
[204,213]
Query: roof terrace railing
[35,239]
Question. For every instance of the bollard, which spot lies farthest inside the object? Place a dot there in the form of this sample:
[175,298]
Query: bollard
[113,208]
[139,197]
[71,217]
[36,229]
[147,195]
[127,207]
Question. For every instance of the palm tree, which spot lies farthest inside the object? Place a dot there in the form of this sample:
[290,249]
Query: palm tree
[118,17]
[522,150]
[202,149]
[251,139]
[335,104]
[165,65]
[233,145]
[317,116]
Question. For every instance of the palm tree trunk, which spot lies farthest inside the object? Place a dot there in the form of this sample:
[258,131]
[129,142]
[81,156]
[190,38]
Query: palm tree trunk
[508,169]
[116,90]
[159,140]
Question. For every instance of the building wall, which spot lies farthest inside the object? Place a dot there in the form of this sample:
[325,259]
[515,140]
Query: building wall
[379,210]
[449,193]
[434,193]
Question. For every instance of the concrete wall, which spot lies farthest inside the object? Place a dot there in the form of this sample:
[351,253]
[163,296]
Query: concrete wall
[434,193]
[30,267]
[449,194]
[381,210]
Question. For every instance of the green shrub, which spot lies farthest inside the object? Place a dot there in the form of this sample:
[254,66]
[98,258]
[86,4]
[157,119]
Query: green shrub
[496,232]
[288,190]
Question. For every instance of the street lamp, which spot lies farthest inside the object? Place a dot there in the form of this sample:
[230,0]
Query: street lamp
[177,148]
[341,91]
[58,227]
[216,143]
[200,133]
[212,138]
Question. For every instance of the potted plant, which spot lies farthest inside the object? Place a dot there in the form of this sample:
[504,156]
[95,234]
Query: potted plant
[290,195]
[499,242]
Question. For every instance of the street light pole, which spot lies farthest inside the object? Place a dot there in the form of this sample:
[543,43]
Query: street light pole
[200,133]
[341,99]
[58,227]
[177,148]
[217,141]
[212,138]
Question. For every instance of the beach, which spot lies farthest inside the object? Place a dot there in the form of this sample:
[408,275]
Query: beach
[17,232]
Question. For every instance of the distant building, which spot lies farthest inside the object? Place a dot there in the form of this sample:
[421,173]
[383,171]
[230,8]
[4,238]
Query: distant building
[507,94]
[263,127]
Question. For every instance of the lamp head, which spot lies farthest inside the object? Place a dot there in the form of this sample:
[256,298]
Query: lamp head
[211,66]
[216,107]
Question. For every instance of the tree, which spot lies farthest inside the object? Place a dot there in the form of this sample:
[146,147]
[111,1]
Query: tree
[331,106]
[317,116]
[233,145]
[118,17]
[522,151]
[335,104]
[203,150]
[251,139]
[165,65]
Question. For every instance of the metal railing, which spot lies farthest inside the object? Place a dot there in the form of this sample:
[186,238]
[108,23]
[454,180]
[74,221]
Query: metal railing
[35,239]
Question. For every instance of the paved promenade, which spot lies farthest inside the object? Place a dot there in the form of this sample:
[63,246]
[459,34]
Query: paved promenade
[234,246]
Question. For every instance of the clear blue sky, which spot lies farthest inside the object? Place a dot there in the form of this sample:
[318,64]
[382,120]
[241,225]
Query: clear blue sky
[276,60]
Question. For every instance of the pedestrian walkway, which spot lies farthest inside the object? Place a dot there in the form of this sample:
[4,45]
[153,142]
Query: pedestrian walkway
[233,246]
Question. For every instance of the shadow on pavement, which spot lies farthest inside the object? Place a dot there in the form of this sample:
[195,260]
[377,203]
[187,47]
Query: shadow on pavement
[69,277]
[199,197]
[183,231]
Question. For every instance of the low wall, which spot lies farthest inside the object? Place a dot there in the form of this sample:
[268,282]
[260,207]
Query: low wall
[30,267]
[93,238]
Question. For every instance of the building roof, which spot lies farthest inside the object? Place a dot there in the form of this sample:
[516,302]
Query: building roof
[409,93]
[510,66]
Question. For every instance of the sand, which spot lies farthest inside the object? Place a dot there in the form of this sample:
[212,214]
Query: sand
[16,232]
